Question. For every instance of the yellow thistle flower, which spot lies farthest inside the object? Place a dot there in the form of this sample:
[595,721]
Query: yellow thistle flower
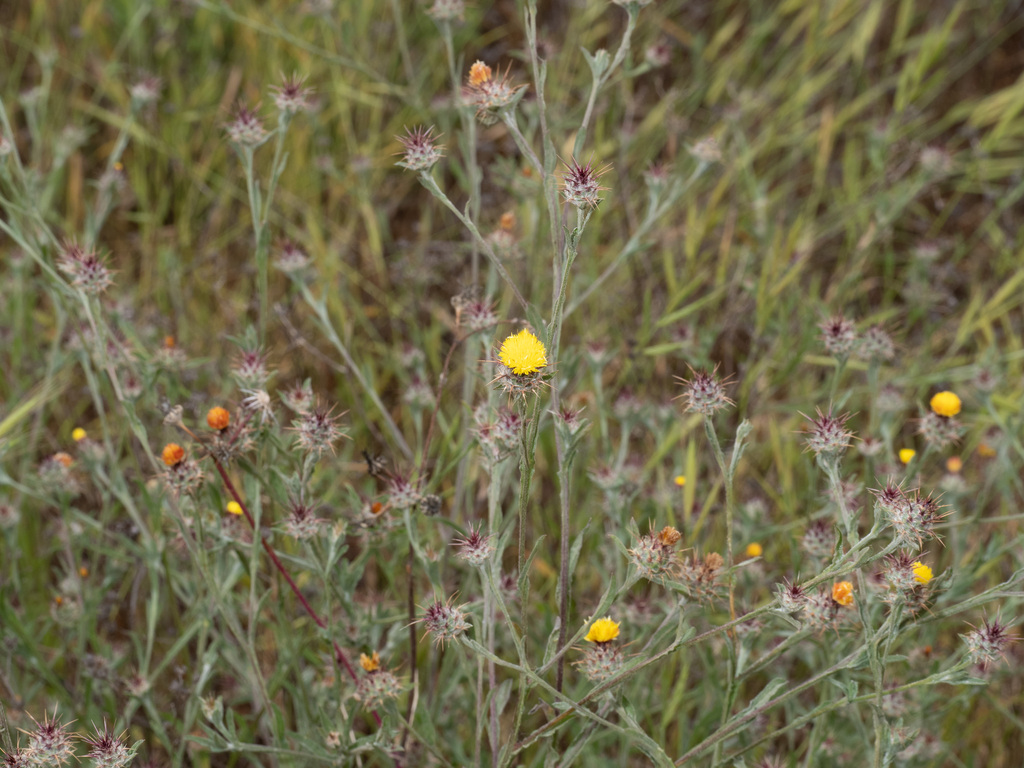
[78,434]
[479,73]
[523,353]
[907,455]
[945,404]
[234,508]
[370,663]
[922,573]
[680,480]
[842,592]
[754,549]
[603,630]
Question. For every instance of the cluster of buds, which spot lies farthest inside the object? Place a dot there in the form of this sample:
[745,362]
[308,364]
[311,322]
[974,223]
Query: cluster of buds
[378,685]
[86,269]
[704,393]
[912,518]
[603,659]
[402,494]
[841,339]
[655,556]
[475,547]
[699,575]
[444,621]
[489,94]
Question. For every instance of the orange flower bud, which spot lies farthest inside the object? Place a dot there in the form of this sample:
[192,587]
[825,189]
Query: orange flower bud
[172,454]
[218,418]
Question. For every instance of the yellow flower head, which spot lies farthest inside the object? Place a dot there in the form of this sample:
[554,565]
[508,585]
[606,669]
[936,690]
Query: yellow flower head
[523,353]
[172,454]
[754,549]
[907,455]
[603,630]
[945,404]
[370,663]
[922,573]
[680,480]
[479,73]
[234,508]
[954,464]
[842,592]
[218,418]
[78,434]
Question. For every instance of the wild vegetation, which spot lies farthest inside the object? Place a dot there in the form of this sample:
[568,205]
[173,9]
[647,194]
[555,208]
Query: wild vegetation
[511,383]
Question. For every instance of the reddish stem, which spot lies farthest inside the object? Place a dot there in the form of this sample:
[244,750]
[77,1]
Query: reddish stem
[339,654]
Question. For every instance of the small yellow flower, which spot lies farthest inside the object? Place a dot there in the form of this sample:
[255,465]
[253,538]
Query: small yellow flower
[842,592]
[62,458]
[78,434]
[234,508]
[922,573]
[754,549]
[986,450]
[954,464]
[603,630]
[945,404]
[523,353]
[370,663]
[907,455]
[680,480]
[479,73]
[83,572]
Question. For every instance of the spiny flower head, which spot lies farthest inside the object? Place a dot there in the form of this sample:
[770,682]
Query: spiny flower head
[579,185]
[50,743]
[876,344]
[488,93]
[302,522]
[421,153]
[818,610]
[704,393]
[523,353]
[246,129]
[819,539]
[444,621]
[839,336]
[292,96]
[108,750]
[377,687]
[654,554]
[939,431]
[602,631]
[402,494]
[912,518]
[475,547]
[700,574]
[985,645]
[828,434]
[86,269]
[791,597]
[318,429]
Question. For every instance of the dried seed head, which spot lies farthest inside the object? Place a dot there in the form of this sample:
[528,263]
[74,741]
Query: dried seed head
[421,153]
[839,336]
